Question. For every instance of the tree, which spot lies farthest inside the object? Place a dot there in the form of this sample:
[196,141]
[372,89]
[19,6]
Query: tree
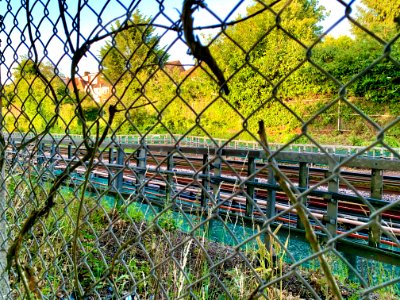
[26,68]
[129,61]
[380,17]
[31,96]
[266,61]
[131,50]
[269,47]
[345,58]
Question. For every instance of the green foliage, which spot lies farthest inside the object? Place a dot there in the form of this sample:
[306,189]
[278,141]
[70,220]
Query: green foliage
[131,50]
[380,17]
[30,99]
[135,213]
[345,58]
[168,222]
[130,59]
[268,59]
[91,111]
[269,73]
[27,68]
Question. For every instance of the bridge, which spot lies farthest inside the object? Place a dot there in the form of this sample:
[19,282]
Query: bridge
[232,179]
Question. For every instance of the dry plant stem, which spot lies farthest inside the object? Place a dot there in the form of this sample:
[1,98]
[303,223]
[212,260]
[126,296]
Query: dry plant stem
[310,233]
[13,251]
[24,281]
[78,215]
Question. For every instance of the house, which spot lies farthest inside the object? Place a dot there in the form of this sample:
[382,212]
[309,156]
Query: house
[174,66]
[100,89]
[93,84]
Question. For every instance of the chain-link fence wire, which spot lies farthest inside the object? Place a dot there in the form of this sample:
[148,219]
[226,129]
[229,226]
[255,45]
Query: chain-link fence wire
[86,216]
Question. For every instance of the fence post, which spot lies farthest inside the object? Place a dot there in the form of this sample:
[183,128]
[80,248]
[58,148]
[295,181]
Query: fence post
[120,162]
[40,154]
[205,182]
[170,177]
[53,150]
[57,148]
[111,155]
[4,282]
[303,183]
[141,174]
[52,155]
[332,207]
[251,168]
[271,193]
[216,184]
[376,192]
[69,151]
[110,172]
[270,210]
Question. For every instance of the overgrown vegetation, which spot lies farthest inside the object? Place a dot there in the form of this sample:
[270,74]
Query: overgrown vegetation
[159,260]
[268,73]
[274,65]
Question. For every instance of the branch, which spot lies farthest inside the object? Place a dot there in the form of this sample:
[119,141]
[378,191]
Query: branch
[221,25]
[78,215]
[64,23]
[200,52]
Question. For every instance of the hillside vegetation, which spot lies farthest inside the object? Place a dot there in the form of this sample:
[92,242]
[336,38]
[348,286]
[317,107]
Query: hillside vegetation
[303,85]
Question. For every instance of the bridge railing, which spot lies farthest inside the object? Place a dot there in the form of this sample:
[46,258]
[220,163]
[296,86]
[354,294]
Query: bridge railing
[198,141]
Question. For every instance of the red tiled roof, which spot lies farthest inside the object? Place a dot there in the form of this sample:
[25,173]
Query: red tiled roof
[174,65]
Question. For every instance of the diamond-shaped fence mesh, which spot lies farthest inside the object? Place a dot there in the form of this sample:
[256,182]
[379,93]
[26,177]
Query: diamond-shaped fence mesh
[200,149]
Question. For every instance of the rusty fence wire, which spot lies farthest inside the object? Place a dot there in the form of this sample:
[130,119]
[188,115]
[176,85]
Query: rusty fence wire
[177,150]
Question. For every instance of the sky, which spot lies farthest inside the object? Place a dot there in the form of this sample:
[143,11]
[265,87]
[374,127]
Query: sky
[97,17]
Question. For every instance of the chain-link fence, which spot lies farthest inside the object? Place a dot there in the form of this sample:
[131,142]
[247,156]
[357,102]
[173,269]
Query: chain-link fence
[168,150]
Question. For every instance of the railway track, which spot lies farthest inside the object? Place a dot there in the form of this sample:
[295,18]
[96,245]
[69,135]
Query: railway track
[187,194]
[187,191]
[359,179]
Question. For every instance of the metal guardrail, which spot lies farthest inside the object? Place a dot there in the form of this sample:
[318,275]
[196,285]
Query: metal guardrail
[204,142]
